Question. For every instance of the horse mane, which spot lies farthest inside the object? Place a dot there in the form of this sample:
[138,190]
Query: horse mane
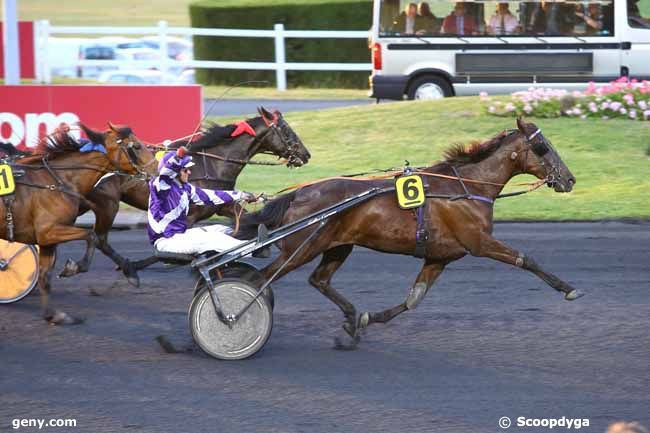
[11,150]
[52,146]
[476,151]
[212,134]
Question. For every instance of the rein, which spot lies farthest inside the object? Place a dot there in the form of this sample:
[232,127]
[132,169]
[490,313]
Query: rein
[161,146]
[391,173]
[396,173]
[61,186]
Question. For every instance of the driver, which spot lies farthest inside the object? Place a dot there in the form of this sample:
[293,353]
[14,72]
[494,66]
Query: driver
[169,202]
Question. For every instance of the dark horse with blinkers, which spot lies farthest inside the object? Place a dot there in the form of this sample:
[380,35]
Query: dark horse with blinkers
[272,135]
[456,227]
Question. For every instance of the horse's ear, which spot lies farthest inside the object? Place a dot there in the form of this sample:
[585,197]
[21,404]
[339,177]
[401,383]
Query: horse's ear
[111,126]
[94,136]
[521,125]
[265,113]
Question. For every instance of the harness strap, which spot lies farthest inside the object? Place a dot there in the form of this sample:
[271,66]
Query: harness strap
[53,187]
[9,201]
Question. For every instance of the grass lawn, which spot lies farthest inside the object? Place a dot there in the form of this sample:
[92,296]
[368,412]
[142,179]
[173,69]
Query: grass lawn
[103,13]
[609,158]
[247,92]
[252,92]
[128,12]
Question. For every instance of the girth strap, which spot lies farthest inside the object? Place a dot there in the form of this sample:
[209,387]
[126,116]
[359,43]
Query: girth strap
[421,231]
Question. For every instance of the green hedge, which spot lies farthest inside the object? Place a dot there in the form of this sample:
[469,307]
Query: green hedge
[306,15]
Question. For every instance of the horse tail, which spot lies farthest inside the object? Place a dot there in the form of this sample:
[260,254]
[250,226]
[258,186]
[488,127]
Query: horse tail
[271,216]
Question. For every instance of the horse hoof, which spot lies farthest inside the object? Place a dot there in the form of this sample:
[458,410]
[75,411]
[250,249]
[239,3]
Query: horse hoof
[131,274]
[351,329]
[61,318]
[364,319]
[573,295]
[71,268]
[346,342]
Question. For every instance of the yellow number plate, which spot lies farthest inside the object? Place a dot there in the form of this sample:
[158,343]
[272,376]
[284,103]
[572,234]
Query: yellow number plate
[410,191]
[7,185]
[160,154]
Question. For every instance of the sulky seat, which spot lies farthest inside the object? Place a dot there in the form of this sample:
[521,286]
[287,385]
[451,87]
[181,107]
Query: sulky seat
[175,258]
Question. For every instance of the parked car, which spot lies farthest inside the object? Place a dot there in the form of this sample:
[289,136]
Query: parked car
[177,48]
[62,55]
[131,55]
[186,77]
[136,76]
[103,49]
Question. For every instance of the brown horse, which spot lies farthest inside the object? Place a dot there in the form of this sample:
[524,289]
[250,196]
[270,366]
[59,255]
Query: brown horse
[273,136]
[50,190]
[457,227]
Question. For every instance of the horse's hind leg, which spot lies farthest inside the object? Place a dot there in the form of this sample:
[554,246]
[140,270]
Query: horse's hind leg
[321,278]
[425,279]
[46,259]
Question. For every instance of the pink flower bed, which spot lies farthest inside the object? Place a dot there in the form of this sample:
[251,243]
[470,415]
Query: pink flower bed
[623,98]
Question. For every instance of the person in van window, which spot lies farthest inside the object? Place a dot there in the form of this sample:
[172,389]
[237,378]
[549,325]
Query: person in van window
[592,19]
[429,20]
[458,23]
[634,17]
[535,23]
[503,22]
[389,10]
[560,18]
[408,21]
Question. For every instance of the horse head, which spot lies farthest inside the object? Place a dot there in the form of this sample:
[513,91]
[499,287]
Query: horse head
[124,149]
[282,140]
[541,159]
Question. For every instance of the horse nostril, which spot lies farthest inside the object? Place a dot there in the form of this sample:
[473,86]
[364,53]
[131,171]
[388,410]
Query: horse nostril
[572,180]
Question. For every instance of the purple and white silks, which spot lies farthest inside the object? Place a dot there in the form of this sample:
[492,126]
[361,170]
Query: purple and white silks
[169,204]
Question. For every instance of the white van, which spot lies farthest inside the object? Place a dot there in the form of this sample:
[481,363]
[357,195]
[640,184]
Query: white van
[438,48]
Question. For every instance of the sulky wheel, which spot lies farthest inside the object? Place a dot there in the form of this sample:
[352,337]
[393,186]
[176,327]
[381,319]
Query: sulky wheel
[244,271]
[243,338]
[18,270]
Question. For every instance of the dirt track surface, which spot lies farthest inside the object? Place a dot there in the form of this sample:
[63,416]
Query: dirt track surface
[488,341]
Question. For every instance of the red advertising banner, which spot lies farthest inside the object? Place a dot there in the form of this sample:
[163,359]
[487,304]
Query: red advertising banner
[26,47]
[155,113]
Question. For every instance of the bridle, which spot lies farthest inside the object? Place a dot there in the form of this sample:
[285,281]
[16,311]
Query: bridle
[541,147]
[275,126]
[278,127]
[129,150]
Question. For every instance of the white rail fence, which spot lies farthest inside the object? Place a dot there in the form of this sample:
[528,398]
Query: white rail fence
[44,30]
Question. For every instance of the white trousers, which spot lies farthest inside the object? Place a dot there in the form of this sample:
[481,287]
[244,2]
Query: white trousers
[198,240]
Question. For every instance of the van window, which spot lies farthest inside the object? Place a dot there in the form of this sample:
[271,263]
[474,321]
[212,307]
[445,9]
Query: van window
[638,13]
[99,53]
[492,18]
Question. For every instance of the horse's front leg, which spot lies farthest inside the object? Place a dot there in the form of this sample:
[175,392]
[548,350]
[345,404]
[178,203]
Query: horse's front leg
[487,246]
[425,279]
[73,268]
[46,260]
[104,218]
